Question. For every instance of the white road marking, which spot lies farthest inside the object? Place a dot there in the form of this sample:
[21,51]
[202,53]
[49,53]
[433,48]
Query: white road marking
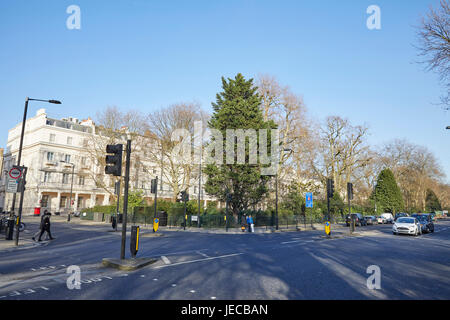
[192,291]
[165,260]
[295,241]
[199,260]
[202,254]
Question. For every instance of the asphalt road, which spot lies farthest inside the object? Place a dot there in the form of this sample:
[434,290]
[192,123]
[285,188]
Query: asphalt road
[205,266]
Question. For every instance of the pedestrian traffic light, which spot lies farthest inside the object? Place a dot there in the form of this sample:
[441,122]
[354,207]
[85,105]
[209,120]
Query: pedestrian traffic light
[350,190]
[330,188]
[114,159]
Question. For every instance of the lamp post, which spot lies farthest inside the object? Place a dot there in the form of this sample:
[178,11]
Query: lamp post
[276,193]
[19,157]
[71,188]
[448,128]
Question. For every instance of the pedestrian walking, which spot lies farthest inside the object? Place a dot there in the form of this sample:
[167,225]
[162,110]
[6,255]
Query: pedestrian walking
[45,226]
[252,225]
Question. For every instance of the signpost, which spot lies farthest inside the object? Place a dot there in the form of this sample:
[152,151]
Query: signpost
[328,228]
[13,178]
[309,200]
[155,224]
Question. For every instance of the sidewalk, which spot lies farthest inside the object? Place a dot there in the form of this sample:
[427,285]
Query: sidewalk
[10,245]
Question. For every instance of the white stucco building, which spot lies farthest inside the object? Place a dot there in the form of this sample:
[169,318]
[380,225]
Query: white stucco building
[50,148]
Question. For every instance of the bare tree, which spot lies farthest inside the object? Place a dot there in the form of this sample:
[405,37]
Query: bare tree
[342,150]
[416,169]
[113,127]
[162,124]
[434,37]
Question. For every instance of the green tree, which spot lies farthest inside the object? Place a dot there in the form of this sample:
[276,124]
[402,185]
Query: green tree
[294,201]
[135,199]
[432,202]
[237,107]
[387,194]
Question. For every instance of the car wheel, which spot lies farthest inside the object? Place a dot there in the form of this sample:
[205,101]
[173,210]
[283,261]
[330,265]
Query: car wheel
[394,233]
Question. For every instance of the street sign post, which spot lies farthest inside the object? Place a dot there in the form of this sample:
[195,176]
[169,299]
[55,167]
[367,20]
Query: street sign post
[13,179]
[328,228]
[155,224]
[309,200]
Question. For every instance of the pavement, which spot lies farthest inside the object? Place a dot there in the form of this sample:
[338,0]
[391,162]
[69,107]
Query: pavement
[234,266]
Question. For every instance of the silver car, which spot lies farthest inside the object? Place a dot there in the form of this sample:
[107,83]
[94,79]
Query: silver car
[407,225]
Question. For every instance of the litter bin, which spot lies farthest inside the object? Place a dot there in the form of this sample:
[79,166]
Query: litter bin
[10,228]
[37,211]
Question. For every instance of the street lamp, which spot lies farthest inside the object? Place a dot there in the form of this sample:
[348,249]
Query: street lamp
[19,157]
[448,128]
[276,193]
[71,189]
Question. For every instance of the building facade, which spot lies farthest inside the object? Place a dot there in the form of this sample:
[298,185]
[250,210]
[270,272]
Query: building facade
[55,152]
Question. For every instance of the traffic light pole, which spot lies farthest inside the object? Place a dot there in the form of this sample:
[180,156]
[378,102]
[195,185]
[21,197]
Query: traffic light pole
[118,203]
[156,199]
[22,189]
[125,201]
[184,214]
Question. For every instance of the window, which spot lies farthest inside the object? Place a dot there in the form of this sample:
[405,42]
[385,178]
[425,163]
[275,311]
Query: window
[50,156]
[65,179]
[47,176]
[63,202]
[69,140]
[195,190]
[52,137]
[44,201]
[81,180]
[67,158]
[83,161]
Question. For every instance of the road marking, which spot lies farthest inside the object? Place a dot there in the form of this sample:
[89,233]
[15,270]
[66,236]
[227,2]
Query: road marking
[192,291]
[295,241]
[202,254]
[199,260]
[165,260]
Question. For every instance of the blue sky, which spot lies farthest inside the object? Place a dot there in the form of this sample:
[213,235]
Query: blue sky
[143,54]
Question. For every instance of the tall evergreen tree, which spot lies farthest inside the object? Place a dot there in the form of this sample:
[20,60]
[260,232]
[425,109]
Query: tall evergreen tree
[387,193]
[432,203]
[237,107]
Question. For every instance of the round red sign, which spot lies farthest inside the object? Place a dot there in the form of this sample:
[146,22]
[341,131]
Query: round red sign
[15,173]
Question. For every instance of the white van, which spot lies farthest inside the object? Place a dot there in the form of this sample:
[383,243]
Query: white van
[388,217]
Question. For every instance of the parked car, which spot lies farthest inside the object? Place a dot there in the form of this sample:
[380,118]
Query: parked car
[426,222]
[371,220]
[381,220]
[359,219]
[388,217]
[399,215]
[407,225]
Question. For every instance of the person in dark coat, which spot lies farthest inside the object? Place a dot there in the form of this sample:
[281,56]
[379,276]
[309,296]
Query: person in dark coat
[45,225]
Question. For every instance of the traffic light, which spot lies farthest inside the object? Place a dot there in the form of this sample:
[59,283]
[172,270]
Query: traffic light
[330,188]
[154,186]
[350,190]
[21,184]
[184,196]
[114,159]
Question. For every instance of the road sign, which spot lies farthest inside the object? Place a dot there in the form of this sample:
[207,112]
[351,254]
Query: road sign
[15,173]
[309,200]
[11,185]
[194,218]
[155,224]
[327,228]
